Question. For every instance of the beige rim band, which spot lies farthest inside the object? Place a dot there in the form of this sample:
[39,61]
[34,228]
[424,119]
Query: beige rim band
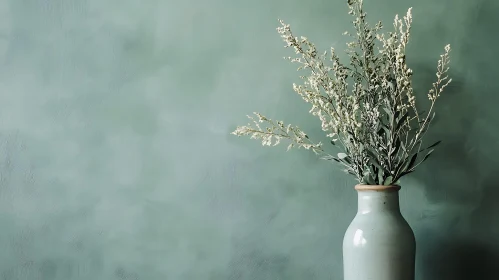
[376,188]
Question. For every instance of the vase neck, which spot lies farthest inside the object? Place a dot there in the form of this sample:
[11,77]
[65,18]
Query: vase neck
[370,201]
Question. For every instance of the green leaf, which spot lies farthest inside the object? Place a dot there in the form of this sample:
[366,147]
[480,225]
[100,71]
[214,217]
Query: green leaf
[387,131]
[368,180]
[406,172]
[411,162]
[400,167]
[388,181]
[380,132]
[432,145]
[380,177]
[372,170]
[389,114]
[344,158]
[396,145]
[401,121]
[402,145]
[427,156]
[376,164]
[373,159]
[328,157]
[397,114]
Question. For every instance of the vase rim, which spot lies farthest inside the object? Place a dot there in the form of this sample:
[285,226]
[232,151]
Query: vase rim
[378,188]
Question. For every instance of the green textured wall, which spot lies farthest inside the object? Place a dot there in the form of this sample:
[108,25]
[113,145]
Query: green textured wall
[116,160]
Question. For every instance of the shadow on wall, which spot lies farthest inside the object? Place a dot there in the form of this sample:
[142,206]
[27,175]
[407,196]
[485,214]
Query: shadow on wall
[472,255]
[463,260]
[463,177]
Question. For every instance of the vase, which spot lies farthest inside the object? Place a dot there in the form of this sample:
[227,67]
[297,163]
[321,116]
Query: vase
[379,243]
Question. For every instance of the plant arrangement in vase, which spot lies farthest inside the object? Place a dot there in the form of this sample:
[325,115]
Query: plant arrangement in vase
[367,107]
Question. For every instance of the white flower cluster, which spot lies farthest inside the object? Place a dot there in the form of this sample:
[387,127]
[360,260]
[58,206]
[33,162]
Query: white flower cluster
[274,131]
[368,108]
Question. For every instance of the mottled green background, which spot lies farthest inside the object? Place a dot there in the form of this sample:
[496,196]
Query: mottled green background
[116,160]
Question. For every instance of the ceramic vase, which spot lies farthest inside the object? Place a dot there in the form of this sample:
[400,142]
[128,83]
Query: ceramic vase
[379,243]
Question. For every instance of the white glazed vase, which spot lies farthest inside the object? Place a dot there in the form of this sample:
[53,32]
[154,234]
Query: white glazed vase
[379,243]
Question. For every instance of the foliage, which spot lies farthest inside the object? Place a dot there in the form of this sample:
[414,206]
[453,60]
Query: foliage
[367,108]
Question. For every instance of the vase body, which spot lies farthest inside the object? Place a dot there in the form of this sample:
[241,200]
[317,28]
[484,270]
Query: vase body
[379,243]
